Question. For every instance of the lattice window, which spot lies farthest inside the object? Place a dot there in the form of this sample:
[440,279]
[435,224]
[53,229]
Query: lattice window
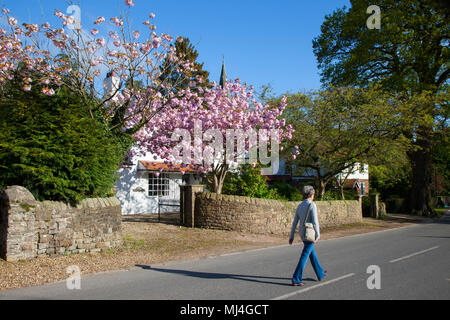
[158,186]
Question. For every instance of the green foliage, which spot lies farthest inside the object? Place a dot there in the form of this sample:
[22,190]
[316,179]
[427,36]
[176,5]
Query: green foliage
[391,180]
[409,55]
[338,127]
[413,34]
[288,192]
[441,163]
[185,51]
[334,194]
[53,147]
[248,182]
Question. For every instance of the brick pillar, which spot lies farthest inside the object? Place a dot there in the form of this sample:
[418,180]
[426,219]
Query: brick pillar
[187,204]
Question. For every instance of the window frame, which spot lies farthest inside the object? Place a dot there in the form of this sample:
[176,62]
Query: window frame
[158,186]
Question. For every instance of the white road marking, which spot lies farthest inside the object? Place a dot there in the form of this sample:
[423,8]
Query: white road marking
[413,254]
[313,287]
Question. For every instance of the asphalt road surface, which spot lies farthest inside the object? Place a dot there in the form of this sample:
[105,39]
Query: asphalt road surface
[407,263]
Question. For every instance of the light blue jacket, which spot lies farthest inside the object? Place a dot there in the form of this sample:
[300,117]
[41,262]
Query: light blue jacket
[300,215]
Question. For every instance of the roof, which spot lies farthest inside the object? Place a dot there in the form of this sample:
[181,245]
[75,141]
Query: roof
[161,166]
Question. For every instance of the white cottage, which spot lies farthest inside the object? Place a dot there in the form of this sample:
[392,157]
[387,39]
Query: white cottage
[146,186]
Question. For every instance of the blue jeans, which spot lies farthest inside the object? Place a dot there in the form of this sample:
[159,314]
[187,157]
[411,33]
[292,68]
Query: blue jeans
[308,251]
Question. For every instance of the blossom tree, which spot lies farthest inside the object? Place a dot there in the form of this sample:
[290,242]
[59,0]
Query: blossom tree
[149,107]
[227,125]
[75,56]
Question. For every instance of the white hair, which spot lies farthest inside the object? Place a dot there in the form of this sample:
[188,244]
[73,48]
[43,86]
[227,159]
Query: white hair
[308,191]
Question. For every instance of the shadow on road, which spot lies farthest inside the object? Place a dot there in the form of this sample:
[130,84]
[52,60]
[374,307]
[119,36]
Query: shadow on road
[213,275]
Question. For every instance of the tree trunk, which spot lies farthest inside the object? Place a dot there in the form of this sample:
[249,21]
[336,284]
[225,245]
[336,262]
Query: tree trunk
[322,185]
[218,178]
[341,189]
[421,163]
[221,180]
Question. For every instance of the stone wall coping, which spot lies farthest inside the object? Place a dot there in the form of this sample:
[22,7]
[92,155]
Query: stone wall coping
[19,194]
[242,199]
[261,201]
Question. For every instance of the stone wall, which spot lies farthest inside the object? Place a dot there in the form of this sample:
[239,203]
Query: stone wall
[29,228]
[263,216]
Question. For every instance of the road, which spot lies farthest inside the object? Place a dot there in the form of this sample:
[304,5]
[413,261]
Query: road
[407,263]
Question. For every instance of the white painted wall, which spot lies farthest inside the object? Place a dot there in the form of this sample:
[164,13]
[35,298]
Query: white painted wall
[132,189]
[360,171]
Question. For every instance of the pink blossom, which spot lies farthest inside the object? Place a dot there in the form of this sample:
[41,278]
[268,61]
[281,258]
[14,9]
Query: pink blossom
[96,61]
[129,3]
[117,21]
[156,42]
[58,13]
[48,92]
[68,20]
[113,35]
[216,108]
[99,20]
[112,53]
[152,15]
[45,26]
[101,42]
[94,32]
[12,21]
[32,28]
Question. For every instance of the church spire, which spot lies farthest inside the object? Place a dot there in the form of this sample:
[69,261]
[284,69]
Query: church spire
[223,74]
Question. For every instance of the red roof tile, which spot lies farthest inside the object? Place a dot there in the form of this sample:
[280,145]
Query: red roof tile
[157,166]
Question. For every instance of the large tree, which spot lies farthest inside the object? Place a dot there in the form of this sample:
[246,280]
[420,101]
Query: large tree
[337,128]
[180,78]
[409,54]
[215,130]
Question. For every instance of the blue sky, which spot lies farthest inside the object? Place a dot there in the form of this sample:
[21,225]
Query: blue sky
[263,42]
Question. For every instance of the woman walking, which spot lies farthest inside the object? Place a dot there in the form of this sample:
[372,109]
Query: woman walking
[306,210]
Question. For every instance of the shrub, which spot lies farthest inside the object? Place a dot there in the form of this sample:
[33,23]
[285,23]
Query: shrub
[285,191]
[248,182]
[52,146]
[335,194]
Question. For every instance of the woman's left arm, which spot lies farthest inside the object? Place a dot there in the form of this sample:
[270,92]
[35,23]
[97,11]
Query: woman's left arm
[315,220]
